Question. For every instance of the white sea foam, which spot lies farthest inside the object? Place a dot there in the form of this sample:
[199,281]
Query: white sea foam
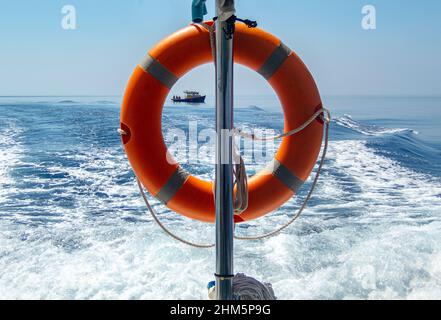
[372,232]
[370,130]
[10,151]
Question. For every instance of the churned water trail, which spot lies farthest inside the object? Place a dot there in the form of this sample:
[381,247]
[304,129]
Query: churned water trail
[73,226]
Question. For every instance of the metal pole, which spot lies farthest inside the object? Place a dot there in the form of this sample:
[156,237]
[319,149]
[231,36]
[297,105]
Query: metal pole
[224,165]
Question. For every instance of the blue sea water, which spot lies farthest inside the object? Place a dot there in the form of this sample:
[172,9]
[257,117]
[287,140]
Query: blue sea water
[73,226]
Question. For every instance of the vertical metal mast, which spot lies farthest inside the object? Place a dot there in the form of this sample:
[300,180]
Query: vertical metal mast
[224,165]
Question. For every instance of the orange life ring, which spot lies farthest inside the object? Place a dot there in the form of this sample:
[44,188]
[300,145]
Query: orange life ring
[141,118]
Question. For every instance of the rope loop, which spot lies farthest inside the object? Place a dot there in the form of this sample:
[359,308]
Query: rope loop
[305,202]
[323,113]
[241,203]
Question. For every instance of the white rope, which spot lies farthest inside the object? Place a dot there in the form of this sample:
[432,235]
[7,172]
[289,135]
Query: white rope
[247,288]
[325,113]
[241,179]
[311,190]
[241,200]
[240,197]
[163,227]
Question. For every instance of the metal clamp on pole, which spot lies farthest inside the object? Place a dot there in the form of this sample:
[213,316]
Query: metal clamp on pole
[224,146]
[231,25]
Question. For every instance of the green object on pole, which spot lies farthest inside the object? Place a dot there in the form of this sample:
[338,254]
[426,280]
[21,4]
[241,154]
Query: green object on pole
[198,10]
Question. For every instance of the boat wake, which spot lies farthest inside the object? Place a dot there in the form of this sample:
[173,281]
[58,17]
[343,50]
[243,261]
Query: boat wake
[73,226]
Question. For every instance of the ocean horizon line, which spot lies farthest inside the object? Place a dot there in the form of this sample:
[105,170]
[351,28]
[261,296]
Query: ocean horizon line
[240,95]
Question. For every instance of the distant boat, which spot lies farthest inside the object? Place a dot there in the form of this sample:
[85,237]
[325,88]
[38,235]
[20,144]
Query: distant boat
[190,97]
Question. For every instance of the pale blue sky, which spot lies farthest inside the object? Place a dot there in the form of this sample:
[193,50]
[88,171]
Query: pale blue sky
[401,57]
